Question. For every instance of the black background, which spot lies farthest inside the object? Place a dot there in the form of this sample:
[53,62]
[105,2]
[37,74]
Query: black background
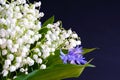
[98,25]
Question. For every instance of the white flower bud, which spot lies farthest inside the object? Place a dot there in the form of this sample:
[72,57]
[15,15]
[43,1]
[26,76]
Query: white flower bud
[48,37]
[7,62]
[47,49]
[17,65]
[13,33]
[26,72]
[25,38]
[52,49]
[38,26]
[30,17]
[57,24]
[69,31]
[14,77]
[36,37]
[43,46]
[69,46]
[28,46]
[39,60]
[45,54]
[13,50]
[5,72]
[49,32]
[39,54]
[72,41]
[13,21]
[10,57]
[9,42]
[24,61]
[41,14]
[78,42]
[17,28]
[74,35]
[22,69]
[30,61]
[17,9]
[2,32]
[12,68]
[37,50]
[72,44]
[4,52]
[39,35]
[25,49]
[20,41]
[16,46]
[66,43]
[23,54]
[43,66]
[30,32]
[9,47]
[18,59]
[38,4]
[57,32]
[50,26]
[21,1]
[35,56]
[66,35]
[31,41]
[53,37]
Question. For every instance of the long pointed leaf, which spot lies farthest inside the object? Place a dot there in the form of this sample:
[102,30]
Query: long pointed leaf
[85,50]
[56,72]
[49,21]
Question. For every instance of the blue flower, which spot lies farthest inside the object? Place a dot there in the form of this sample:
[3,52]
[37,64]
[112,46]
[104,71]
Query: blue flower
[74,56]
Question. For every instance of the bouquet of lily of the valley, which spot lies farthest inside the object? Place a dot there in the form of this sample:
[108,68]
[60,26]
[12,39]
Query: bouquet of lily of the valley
[31,50]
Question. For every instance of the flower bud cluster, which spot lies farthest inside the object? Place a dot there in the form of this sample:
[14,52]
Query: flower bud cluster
[19,26]
[56,38]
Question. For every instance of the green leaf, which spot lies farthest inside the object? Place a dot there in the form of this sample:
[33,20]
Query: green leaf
[43,30]
[85,50]
[54,59]
[56,72]
[49,21]
[90,65]
[21,77]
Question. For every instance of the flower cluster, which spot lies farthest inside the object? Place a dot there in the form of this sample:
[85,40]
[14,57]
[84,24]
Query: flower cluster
[19,30]
[57,37]
[19,26]
[74,56]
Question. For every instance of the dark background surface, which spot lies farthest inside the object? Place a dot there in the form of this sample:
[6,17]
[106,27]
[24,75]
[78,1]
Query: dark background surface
[98,25]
